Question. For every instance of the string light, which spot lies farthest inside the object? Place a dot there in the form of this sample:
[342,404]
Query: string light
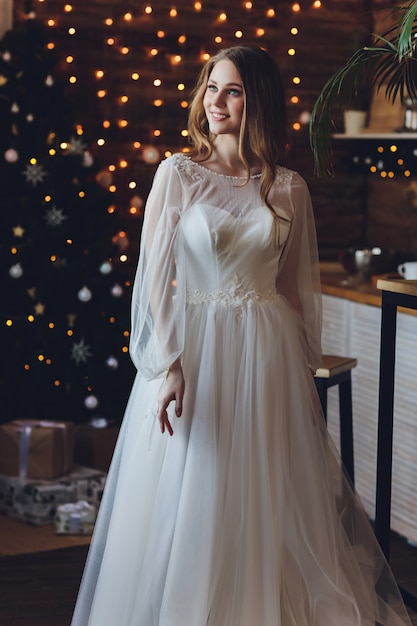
[112,43]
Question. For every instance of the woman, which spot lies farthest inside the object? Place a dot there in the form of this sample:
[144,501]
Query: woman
[241,517]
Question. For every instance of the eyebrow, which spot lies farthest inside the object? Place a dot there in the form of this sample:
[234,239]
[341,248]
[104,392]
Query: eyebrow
[228,84]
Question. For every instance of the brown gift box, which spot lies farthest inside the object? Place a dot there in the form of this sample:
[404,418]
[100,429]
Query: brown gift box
[94,446]
[36,449]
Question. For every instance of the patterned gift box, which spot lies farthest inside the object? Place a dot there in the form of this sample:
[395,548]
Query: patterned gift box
[36,501]
[75,518]
[36,449]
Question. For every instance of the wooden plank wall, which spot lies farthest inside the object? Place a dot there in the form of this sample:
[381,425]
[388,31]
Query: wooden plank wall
[156,115]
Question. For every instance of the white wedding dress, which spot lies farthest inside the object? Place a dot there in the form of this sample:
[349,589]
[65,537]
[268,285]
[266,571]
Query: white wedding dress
[242,517]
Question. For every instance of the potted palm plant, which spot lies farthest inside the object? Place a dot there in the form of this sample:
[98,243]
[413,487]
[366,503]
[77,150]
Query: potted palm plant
[389,64]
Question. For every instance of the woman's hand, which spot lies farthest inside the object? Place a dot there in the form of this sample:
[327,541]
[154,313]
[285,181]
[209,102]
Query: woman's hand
[172,390]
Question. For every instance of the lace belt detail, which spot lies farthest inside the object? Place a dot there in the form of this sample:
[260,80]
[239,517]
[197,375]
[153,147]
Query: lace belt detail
[237,297]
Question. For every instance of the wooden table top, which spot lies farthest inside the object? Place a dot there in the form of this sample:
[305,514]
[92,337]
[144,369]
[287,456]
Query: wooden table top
[335,282]
[408,287]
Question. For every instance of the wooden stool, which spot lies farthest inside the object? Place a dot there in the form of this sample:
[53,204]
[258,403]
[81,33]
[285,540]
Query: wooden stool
[336,370]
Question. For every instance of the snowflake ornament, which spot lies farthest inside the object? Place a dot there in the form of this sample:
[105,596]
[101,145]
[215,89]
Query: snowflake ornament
[55,217]
[80,352]
[76,146]
[34,174]
[18,231]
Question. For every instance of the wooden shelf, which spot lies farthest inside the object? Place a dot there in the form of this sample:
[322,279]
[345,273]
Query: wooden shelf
[377,136]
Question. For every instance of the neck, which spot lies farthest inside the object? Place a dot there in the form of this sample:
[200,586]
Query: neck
[226,150]
[225,157]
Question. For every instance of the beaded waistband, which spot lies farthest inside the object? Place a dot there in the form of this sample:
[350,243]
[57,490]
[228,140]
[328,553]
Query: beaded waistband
[237,297]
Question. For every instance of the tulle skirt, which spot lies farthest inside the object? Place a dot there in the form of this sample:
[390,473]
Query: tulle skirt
[242,517]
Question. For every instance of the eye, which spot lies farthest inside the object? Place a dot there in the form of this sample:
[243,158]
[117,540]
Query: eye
[211,87]
[234,92]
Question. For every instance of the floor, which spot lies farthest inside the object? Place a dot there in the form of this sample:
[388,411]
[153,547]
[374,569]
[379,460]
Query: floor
[40,589]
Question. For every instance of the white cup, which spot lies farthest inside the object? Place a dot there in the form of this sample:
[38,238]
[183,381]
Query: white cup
[408,270]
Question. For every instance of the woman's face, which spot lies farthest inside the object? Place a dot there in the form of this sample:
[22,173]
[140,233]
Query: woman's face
[224,99]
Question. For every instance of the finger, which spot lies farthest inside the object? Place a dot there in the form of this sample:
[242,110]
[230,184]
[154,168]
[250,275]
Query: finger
[178,406]
[169,427]
[164,422]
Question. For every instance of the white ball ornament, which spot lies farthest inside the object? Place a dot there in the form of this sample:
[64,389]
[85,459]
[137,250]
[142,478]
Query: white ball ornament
[87,159]
[305,117]
[16,271]
[99,422]
[49,81]
[11,155]
[116,290]
[91,402]
[85,294]
[15,108]
[30,117]
[150,155]
[112,363]
[106,267]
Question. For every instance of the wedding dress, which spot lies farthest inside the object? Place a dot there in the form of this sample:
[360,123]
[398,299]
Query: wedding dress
[242,517]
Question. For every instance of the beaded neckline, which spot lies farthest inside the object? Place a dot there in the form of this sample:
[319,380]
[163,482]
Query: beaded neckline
[184,163]
[206,169]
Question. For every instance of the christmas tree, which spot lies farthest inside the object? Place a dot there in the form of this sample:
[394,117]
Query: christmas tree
[64,276]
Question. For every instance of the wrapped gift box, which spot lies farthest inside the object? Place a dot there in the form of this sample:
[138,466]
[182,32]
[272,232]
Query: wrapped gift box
[36,501]
[75,518]
[94,445]
[36,449]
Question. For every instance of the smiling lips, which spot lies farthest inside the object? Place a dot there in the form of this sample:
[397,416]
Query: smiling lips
[218,117]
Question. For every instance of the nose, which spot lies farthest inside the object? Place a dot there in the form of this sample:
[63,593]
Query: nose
[218,99]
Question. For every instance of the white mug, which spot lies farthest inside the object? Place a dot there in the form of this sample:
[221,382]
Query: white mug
[408,270]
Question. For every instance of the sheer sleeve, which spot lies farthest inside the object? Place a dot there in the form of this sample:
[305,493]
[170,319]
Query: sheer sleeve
[299,273]
[158,303]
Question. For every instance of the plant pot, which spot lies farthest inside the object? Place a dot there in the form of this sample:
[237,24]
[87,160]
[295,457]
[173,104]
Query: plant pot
[354,121]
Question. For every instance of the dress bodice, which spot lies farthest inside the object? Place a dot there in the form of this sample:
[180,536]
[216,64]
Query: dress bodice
[228,235]
[221,250]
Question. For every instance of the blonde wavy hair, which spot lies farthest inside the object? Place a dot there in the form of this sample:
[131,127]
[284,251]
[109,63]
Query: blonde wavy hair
[263,130]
